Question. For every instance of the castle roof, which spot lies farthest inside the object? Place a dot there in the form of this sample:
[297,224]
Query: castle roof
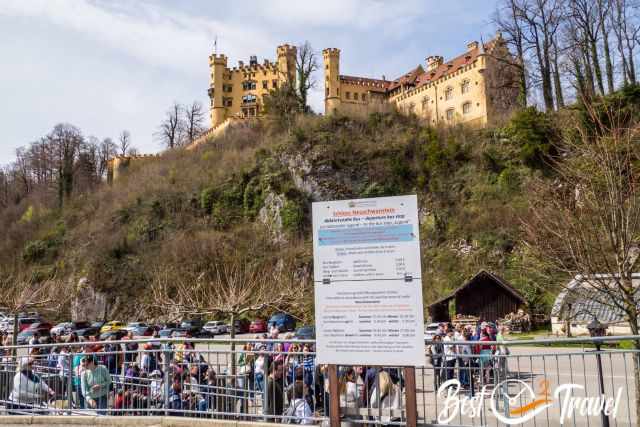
[418,76]
[407,79]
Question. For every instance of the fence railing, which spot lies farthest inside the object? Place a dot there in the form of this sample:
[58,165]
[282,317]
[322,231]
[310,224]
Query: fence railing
[463,383]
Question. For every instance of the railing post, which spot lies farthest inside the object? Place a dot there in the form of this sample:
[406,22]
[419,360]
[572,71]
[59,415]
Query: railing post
[410,399]
[166,363]
[69,365]
[334,397]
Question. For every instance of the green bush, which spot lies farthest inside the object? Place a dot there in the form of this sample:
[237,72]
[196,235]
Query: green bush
[533,133]
[292,215]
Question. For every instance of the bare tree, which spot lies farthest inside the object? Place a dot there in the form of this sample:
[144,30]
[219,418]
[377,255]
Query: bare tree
[106,152]
[194,116]
[124,142]
[170,133]
[66,141]
[306,66]
[231,289]
[18,295]
[587,221]
[508,22]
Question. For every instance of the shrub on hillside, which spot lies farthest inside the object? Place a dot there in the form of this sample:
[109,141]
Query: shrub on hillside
[533,133]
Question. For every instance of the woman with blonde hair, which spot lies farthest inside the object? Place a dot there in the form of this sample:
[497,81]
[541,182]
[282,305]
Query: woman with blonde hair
[348,389]
[385,395]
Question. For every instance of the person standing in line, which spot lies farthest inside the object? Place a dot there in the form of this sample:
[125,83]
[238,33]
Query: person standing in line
[95,384]
[449,354]
[275,390]
[437,356]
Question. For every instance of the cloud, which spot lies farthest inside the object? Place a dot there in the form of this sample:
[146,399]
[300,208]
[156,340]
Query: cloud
[148,32]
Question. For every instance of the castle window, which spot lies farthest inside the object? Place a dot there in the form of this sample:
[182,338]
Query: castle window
[466,108]
[326,67]
[355,96]
[448,93]
[465,86]
[265,84]
[450,114]
[425,101]
[249,85]
[274,83]
[338,91]
[364,98]
[327,92]
[347,95]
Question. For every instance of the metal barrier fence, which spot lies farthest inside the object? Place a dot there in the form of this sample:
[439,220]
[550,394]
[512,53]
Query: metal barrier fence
[462,383]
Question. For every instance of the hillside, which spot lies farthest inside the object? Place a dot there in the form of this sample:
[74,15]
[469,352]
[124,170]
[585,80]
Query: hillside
[247,195]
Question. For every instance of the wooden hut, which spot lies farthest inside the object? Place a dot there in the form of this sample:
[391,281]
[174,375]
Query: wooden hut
[486,296]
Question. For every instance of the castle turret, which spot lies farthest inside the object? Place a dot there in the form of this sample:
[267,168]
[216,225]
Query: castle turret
[217,65]
[287,63]
[331,58]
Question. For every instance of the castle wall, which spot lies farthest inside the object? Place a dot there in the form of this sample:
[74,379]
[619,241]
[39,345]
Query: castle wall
[430,102]
[477,88]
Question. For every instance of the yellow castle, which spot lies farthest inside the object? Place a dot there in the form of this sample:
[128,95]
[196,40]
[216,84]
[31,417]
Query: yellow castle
[476,87]
[239,91]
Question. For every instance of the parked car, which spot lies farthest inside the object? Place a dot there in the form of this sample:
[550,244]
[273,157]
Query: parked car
[215,327]
[134,325]
[241,327]
[118,333]
[26,322]
[258,326]
[305,333]
[430,331]
[112,326]
[27,334]
[87,332]
[42,328]
[142,331]
[284,322]
[193,326]
[98,324]
[65,328]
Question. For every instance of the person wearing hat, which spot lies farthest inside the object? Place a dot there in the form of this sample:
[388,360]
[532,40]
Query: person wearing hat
[28,388]
[95,383]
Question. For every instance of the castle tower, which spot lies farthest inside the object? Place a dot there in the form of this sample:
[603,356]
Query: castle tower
[287,63]
[331,59]
[217,65]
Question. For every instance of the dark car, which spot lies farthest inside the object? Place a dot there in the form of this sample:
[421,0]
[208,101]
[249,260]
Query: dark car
[119,334]
[194,326]
[284,322]
[42,328]
[142,331]
[87,332]
[305,333]
[166,332]
[27,334]
[258,326]
[97,324]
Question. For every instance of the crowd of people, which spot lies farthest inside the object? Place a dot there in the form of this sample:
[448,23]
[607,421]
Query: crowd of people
[272,377]
[473,360]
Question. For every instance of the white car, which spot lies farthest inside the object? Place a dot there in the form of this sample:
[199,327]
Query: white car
[430,331]
[215,327]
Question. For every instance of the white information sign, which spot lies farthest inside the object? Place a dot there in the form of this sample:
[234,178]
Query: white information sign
[368,288]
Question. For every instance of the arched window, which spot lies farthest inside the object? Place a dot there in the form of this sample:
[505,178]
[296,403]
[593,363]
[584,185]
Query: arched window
[465,86]
[450,114]
[448,93]
[466,108]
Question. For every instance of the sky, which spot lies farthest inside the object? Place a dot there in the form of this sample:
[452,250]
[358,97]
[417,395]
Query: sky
[106,66]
